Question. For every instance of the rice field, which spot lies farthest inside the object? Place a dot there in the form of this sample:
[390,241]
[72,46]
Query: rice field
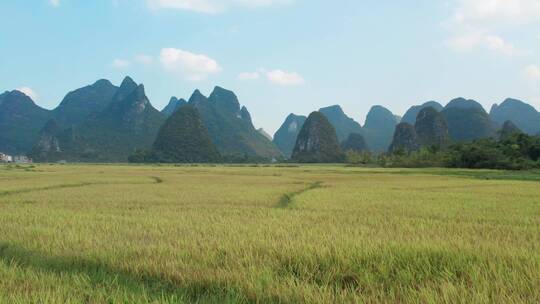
[267,234]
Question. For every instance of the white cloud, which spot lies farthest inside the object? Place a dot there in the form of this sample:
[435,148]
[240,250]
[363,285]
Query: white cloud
[121,63]
[29,92]
[473,40]
[54,2]
[283,78]
[194,67]
[496,12]
[144,59]
[533,72]
[249,76]
[210,6]
[477,23]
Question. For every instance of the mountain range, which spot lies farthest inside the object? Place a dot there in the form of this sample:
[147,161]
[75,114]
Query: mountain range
[102,122]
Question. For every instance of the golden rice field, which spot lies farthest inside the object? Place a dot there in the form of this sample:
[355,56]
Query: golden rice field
[307,234]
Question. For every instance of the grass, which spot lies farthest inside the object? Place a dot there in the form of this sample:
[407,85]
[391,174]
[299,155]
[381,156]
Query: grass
[291,234]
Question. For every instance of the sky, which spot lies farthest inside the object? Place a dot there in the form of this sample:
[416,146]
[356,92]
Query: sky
[278,56]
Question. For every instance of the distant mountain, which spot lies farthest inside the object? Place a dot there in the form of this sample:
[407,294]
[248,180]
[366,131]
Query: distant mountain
[285,137]
[412,113]
[379,128]
[355,142]
[405,139]
[173,105]
[523,115]
[343,124]
[508,129]
[230,126]
[20,122]
[463,103]
[431,128]
[317,141]
[184,139]
[80,104]
[467,120]
[128,123]
[264,133]
[48,144]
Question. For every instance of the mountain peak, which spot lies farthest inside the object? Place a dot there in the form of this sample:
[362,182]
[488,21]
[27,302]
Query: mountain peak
[343,124]
[19,95]
[522,114]
[412,113]
[128,82]
[225,99]
[126,88]
[516,103]
[245,115]
[285,136]
[317,141]
[173,105]
[102,83]
[183,138]
[379,115]
[335,109]
[140,90]
[20,122]
[292,117]
[463,103]
[196,97]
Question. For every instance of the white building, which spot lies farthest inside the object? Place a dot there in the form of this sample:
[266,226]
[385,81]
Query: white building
[4,158]
[22,159]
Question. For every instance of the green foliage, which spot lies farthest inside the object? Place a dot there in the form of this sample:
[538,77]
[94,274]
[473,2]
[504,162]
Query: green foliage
[354,157]
[422,158]
[517,151]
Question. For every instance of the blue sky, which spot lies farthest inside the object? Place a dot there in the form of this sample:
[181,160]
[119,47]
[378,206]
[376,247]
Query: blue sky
[279,56]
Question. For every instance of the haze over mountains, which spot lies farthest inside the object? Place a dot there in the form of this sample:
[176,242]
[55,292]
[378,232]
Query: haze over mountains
[107,123]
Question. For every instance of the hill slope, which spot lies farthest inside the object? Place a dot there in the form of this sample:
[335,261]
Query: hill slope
[128,123]
[467,120]
[343,124]
[20,122]
[184,139]
[317,141]
[379,128]
[523,115]
[286,135]
[412,113]
[230,126]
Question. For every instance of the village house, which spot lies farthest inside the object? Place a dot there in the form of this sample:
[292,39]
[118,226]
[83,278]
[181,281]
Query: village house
[22,159]
[4,158]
